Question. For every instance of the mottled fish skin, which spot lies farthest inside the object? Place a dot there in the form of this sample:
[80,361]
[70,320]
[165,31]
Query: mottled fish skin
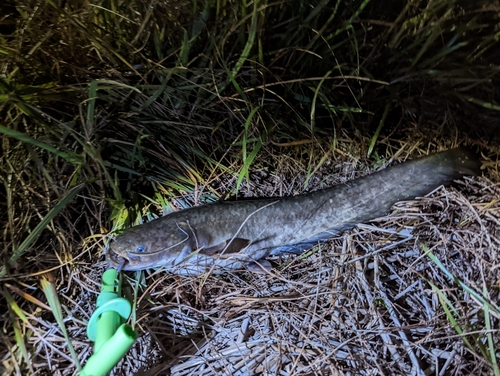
[238,234]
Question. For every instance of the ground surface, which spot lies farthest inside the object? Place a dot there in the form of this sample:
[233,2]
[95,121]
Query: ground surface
[371,301]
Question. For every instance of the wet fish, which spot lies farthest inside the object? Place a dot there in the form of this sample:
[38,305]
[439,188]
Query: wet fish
[241,234]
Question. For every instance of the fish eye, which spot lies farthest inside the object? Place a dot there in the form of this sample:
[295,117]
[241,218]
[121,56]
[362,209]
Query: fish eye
[140,249]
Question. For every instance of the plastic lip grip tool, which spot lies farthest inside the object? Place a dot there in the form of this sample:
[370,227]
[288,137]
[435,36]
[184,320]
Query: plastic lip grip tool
[112,339]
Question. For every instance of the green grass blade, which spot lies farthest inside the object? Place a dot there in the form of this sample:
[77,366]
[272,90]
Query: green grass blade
[488,353]
[70,157]
[489,336]
[41,226]
[310,174]
[348,23]
[250,42]
[373,141]
[479,297]
[14,311]
[315,98]
[91,104]
[451,312]
[437,30]
[50,291]
[487,105]
[247,161]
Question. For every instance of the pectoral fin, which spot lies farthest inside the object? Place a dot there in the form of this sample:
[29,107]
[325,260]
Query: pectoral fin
[227,246]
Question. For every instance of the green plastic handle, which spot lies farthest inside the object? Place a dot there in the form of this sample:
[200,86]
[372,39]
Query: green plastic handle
[110,353]
[112,339]
[108,315]
[111,309]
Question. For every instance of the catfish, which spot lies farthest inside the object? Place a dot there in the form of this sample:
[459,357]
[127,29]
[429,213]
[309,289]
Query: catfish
[239,235]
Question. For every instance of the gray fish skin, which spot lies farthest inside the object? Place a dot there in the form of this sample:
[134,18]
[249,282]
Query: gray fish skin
[240,234]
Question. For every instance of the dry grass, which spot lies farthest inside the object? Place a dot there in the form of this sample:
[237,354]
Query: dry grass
[369,302]
[363,304]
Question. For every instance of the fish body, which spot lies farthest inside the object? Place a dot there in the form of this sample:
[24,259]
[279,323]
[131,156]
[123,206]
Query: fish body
[240,234]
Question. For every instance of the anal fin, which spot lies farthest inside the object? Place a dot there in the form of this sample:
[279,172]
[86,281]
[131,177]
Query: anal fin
[227,246]
[259,267]
[304,245]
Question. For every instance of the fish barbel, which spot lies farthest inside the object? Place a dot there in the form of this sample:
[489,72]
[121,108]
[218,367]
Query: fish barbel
[241,234]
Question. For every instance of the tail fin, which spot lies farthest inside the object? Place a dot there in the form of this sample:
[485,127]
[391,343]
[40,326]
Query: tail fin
[465,161]
[452,164]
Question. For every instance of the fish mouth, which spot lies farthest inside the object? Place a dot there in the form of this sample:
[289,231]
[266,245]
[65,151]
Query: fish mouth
[115,260]
[129,262]
[120,262]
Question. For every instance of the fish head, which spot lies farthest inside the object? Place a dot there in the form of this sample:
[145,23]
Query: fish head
[144,247]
